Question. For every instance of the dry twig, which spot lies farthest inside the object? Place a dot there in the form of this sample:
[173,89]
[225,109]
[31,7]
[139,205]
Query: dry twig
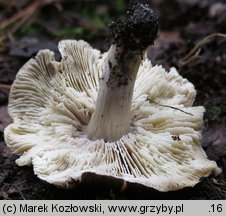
[197,49]
[5,86]
[22,17]
[175,108]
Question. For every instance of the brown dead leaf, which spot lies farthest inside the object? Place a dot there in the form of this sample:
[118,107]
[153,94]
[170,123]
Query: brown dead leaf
[29,46]
[5,119]
[169,37]
[3,195]
[214,141]
[12,190]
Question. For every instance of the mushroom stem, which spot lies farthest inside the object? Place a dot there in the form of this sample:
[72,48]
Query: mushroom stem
[111,118]
[130,38]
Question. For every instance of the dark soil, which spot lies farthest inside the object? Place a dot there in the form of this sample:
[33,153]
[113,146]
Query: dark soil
[138,30]
[183,25]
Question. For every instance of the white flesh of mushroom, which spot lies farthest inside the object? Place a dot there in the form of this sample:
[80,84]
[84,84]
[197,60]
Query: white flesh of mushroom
[111,118]
[52,103]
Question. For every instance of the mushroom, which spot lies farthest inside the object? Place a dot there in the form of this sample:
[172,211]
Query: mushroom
[112,114]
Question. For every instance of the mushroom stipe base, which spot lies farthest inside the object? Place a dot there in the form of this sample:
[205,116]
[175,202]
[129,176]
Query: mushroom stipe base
[51,102]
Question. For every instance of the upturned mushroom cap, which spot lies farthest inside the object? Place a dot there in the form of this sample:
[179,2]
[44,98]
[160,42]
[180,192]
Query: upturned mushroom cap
[51,102]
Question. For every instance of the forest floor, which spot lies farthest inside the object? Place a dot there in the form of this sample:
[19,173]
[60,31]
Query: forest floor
[28,26]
